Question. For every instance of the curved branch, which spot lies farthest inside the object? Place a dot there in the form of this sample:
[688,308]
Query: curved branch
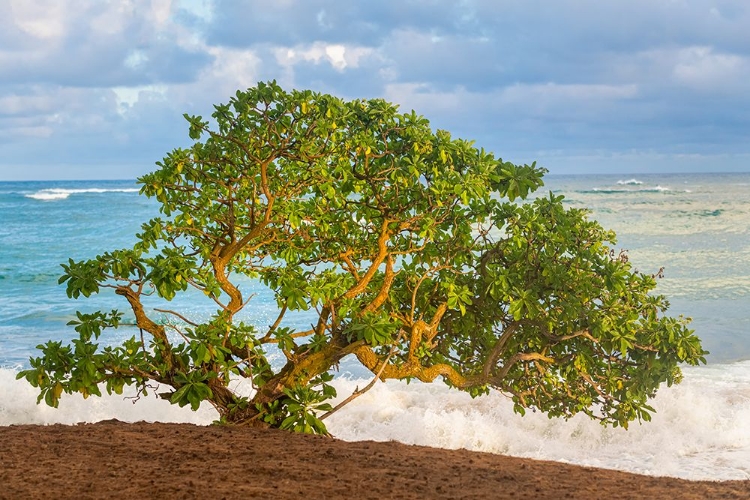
[382,295]
[366,355]
[376,262]
[145,323]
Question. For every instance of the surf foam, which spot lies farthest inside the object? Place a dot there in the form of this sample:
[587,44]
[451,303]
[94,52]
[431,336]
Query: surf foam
[701,429]
[52,194]
[629,182]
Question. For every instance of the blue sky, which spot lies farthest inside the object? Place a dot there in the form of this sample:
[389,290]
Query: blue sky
[96,90]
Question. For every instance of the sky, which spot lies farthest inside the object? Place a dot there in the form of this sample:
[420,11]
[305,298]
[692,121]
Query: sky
[96,90]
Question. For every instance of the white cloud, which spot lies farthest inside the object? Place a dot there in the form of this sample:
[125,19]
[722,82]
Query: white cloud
[44,19]
[338,56]
[16,104]
[161,11]
[703,68]
[127,97]
[113,20]
[231,69]
[55,113]
[699,68]
[35,132]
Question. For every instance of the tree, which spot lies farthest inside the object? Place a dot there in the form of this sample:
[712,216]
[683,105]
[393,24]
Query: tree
[414,251]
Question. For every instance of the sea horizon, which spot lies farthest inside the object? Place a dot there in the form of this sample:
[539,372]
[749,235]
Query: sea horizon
[547,175]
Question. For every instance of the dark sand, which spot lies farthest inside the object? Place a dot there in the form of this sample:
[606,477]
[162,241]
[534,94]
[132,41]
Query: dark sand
[118,460]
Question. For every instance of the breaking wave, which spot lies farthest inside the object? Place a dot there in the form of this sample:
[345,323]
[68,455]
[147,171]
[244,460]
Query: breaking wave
[53,194]
[630,182]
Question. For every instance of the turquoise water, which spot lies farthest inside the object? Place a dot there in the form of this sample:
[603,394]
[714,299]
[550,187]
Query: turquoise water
[697,226]
[42,225]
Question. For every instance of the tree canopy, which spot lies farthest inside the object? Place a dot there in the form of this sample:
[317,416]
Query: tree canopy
[419,254]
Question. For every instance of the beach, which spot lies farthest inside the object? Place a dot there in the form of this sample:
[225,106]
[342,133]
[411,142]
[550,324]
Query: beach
[161,460]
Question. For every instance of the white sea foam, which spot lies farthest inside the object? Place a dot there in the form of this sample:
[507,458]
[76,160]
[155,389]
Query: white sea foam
[629,182]
[52,194]
[18,406]
[701,429]
[613,190]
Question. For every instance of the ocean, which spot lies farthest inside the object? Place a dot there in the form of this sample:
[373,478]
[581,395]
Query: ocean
[696,226]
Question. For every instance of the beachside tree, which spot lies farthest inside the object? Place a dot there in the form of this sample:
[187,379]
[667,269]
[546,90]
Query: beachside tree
[417,253]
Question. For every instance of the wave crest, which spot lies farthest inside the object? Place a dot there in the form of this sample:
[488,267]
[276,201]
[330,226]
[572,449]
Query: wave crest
[52,194]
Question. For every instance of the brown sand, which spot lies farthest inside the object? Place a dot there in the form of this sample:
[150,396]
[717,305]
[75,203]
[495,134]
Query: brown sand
[117,460]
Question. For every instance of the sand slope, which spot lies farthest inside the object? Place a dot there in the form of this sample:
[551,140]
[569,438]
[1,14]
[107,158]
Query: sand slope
[117,460]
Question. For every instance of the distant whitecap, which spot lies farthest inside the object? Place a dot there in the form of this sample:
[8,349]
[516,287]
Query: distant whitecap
[630,182]
[52,194]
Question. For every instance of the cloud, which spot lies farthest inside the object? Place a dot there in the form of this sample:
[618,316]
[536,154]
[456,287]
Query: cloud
[703,68]
[338,56]
[105,83]
[511,119]
[244,23]
[90,43]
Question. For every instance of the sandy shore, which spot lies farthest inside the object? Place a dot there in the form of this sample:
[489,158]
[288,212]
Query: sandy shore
[118,460]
